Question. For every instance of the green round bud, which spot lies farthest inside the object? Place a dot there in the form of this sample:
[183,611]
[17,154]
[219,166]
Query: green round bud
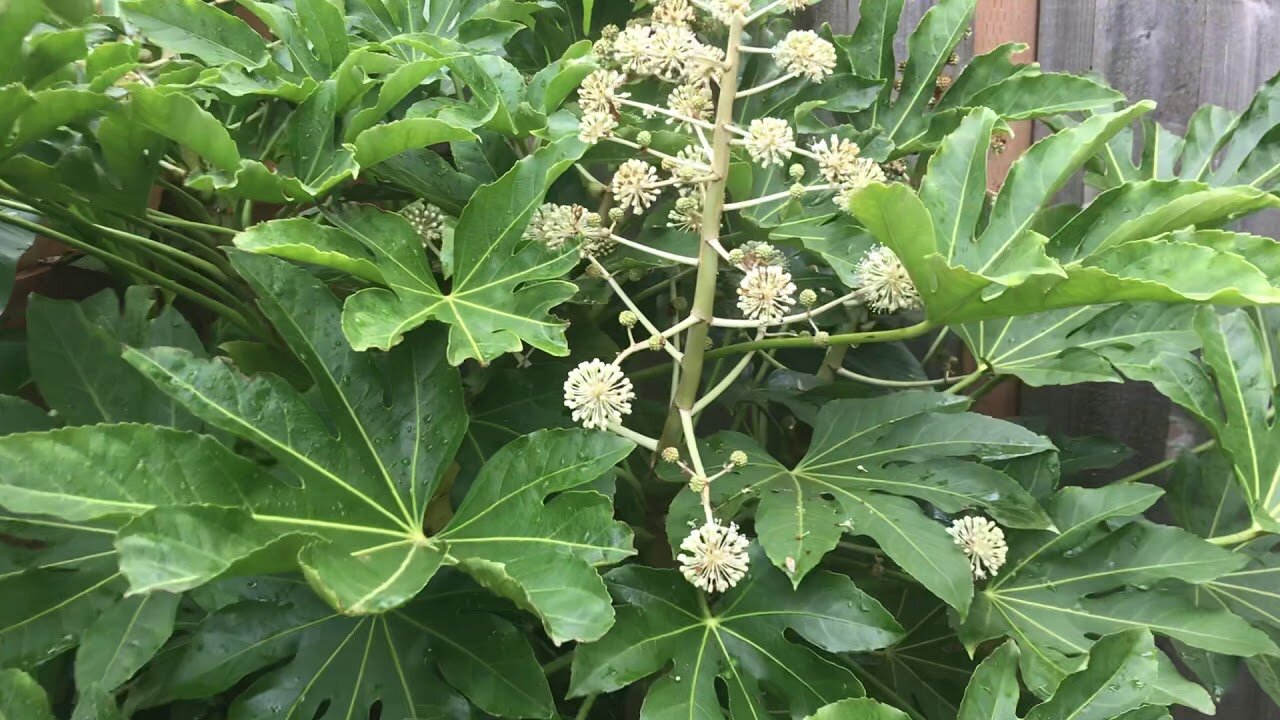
[808,298]
[617,214]
[737,458]
[627,319]
[822,339]
[635,274]
[656,342]
[679,303]
[797,191]
[697,483]
[670,454]
[797,172]
[737,255]
[644,138]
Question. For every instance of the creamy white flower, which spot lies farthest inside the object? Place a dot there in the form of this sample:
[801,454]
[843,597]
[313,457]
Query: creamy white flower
[554,225]
[770,141]
[427,220]
[669,50]
[596,126]
[766,293]
[717,557]
[727,10]
[883,282]
[691,100]
[705,63]
[983,542]
[673,12]
[862,173]
[804,52]
[633,186]
[837,159]
[631,49]
[598,394]
[599,92]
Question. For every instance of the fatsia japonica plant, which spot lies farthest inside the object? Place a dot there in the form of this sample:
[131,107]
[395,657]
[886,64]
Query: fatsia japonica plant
[495,358]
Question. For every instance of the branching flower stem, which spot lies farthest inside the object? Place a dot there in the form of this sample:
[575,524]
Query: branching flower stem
[704,294]
[626,300]
[763,87]
[681,259]
[776,197]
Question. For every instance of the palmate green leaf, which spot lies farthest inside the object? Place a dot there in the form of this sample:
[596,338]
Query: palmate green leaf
[315,33]
[866,458]
[503,288]
[929,47]
[22,698]
[56,578]
[315,657]
[388,462]
[1057,590]
[304,241]
[1071,345]
[993,692]
[196,28]
[742,639]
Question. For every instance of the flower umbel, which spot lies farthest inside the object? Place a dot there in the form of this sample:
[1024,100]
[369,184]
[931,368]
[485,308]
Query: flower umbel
[766,293]
[691,100]
[883,282]
[983,542]
[805,53]
[596,126]
[427,220]
[770,141]
[598,394]
[726,10]
[633,185]
[717,557]
[837,159]
[600,91]
[673,12]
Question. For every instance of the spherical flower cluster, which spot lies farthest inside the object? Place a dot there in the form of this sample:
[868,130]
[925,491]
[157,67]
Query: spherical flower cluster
[598,394]
[554,225]
[705,63]
[633,186]
[691,100]
[983,542]
[427,220]
[687,213]
[596,126]
[805,53]
[727,10]
[716,558]
[673,12]
[766,293]
[599,92]
[883,282]
[631,48]
[837,159]
[862,173]
[669,51]
[770,141]
[754,253]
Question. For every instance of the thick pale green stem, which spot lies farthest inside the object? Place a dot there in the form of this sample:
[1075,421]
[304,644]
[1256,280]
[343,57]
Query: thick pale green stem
[704,294]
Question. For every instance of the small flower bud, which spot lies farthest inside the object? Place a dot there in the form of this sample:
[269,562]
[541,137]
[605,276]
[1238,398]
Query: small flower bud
[822,339]
[635,274]
[737,255]
[627,319]
[594,271]
[670,454]
[687,204]
[797,172]
[617,214]
[609,32]
[797,191]
[708,343]
[698,483]
[737,458]
[656,342]
[808,298]
[644,138]
[679,303]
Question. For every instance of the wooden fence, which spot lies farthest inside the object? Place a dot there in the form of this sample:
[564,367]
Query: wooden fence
[1182,54]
